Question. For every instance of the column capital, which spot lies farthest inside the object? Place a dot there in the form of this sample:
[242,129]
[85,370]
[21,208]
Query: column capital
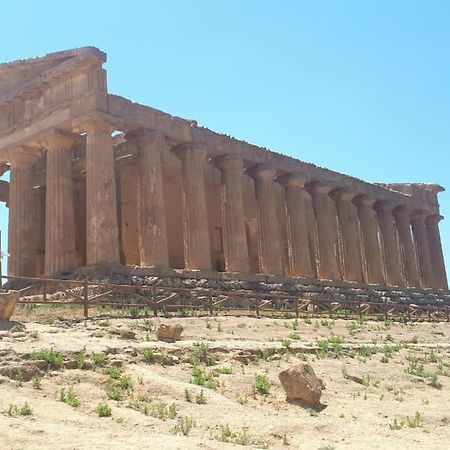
[97,123]
[342,194]
[59,139]
[141,136]
[434,218]
[363,200]
[419,215]
[262,171]
[319,188]
[402,211]
[229,162]
[24,155]
[295,180]
[191,149]
[384,206]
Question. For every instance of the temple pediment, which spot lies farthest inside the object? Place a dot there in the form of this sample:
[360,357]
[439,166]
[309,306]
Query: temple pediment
[22,76]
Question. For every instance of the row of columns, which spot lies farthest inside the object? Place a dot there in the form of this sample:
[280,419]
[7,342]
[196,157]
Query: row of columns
[357,238]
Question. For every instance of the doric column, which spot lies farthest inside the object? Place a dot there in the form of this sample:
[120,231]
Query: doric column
[151,208]
[369,229]
[392,255]
[269,241]
[102,233]
[59,206]
[197,247]
[423,251]
[351,240]
[233,219]
[435,246]
[403,224]
[300,262]
[22,214]
[326,224]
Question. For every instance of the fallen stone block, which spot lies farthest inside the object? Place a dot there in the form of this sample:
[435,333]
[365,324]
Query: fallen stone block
[301,383]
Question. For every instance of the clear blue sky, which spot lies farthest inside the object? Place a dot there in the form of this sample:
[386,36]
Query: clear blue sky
[360,87]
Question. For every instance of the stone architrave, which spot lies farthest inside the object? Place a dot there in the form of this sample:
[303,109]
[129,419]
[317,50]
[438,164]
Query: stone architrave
[403,224]
[300,261]
[435,246]
[269,240]
[22,239]
[392,254]
[151,208]
[197,246]
[423,250]
[326,224]
[233,218]
[369,229]
[351,237]
[60,252]
[102,232]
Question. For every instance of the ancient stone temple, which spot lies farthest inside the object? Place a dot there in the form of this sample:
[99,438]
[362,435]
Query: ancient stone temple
[95,178]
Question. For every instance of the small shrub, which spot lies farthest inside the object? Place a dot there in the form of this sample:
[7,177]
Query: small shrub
[25,410]
[188,395]
[183,426]
[98,359]
[103,410]
[70,397]
[148,354]
[261,385]
[113,372]
[114,392]
[200,398]
[286,343]
[80,359]
[36,381]
[54,359]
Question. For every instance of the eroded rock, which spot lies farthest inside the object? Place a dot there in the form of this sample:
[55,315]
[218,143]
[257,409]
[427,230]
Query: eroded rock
[169,333]
[300,382]
[8,300]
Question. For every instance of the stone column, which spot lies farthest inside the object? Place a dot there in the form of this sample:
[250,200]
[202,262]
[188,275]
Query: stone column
[369,229]
[403,224]
[59,207]
[351,238]
[102,233]
[22,215]
[423,251]
[435,246]
[300,262]
[269,241]
[233,218]
[152,232]
[392,255]
[197,247]
[326,224]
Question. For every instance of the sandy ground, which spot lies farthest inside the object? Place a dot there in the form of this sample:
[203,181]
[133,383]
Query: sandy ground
[387,384]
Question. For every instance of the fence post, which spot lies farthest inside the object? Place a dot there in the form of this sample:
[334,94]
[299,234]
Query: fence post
[296,308]
[45,292]
[155,300]
[86,300]
[386,314]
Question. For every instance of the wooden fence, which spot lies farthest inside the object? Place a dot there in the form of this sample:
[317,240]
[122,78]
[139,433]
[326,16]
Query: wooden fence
[161,299]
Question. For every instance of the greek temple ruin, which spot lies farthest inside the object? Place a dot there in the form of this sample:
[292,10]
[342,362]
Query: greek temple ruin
[97,179]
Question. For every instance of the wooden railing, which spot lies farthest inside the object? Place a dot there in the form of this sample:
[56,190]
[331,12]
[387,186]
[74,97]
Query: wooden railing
[159,299]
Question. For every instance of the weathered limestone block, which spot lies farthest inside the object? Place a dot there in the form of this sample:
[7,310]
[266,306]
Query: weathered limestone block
[169,333]
[300,382]
[8,300]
